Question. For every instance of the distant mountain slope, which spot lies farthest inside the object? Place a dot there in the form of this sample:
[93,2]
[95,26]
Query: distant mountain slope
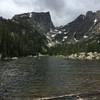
[82,28]
[24,34]
[80,35]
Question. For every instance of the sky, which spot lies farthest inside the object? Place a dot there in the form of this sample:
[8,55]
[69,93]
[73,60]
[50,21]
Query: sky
[62,11]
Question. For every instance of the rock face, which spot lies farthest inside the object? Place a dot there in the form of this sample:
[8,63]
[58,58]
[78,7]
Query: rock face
[82,28]
[41,20]
[80,35]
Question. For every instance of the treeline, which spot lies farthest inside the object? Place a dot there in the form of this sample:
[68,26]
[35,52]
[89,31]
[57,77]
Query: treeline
[91,45]
[17,39]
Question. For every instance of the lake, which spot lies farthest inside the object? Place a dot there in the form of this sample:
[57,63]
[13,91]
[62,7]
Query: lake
[29,78]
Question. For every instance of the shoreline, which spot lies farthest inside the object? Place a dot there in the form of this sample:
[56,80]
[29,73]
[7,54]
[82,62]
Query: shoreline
[77,96]
[85,56]
[74,56]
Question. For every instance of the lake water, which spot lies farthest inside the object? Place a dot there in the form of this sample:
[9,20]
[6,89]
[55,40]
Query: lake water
[46,76]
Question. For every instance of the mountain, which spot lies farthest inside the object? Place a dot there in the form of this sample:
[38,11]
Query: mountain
[40,20]
[81,28]
[24,34]
[80,35]
[33,33]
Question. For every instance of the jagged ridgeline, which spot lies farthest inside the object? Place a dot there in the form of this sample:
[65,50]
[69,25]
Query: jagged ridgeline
[80,35]
[24,34]
[33,33]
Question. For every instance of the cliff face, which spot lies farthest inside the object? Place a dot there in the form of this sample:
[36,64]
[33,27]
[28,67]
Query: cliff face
[82,28]
[82,25]
[40,20]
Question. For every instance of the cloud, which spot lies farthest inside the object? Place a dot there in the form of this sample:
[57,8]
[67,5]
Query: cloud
[62,11]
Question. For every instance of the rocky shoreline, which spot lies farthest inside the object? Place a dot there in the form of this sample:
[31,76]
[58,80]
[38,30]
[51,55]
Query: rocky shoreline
[79,56]
[85,56]
[80,96]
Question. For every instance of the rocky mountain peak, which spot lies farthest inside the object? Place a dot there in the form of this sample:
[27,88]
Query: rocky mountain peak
[90,14]
[36,19]
[80,18]
[82,28]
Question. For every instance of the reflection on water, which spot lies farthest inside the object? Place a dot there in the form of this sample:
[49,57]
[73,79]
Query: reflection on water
[48,76]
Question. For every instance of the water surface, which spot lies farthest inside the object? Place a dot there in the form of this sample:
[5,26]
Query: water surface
[48,76]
